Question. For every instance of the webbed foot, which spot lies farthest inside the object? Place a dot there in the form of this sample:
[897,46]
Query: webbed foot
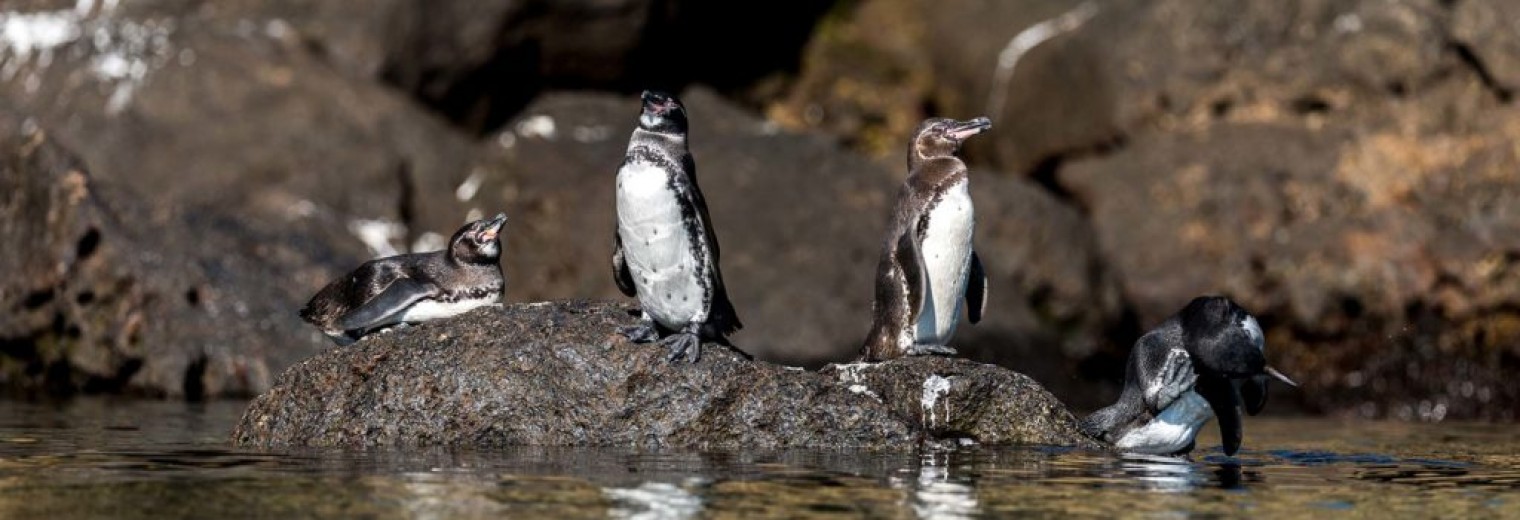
[1177,377]
[918,349]
[683,344]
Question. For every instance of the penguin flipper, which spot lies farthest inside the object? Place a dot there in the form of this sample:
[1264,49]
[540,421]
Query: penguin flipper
[1225,402]
[379,310]
[976,290]
[911,262]
[722,314]
[620,273]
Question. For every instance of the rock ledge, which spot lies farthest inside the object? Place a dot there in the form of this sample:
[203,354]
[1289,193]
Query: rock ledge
[556,373]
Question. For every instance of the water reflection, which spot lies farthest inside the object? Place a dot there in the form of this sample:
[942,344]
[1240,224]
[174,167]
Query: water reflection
[155,460]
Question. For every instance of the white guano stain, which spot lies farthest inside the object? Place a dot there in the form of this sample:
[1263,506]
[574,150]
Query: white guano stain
[936,388]
[1027,40]
[378,235]
[120,53]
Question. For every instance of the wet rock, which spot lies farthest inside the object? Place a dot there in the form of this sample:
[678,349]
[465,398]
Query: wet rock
[800,222]
[103,294]
[558,374]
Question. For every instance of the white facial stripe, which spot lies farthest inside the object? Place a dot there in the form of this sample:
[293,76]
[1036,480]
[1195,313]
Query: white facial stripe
[1254,330]
[648,119]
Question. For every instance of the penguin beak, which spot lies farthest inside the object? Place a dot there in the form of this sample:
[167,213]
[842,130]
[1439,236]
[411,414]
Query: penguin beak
[1280,377]
[967,129]
[493,227]
[656,102]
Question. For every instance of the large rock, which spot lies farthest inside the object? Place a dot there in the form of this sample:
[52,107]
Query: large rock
[203,111]
[559,374]
[103,293]
[800,221]
[229,171]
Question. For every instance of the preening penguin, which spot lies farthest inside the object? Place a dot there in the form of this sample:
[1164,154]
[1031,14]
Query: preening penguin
[928,266]
[1181,374]
[414,287]
[664,250]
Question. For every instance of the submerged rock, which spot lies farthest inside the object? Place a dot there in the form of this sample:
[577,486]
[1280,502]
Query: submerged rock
[557,374]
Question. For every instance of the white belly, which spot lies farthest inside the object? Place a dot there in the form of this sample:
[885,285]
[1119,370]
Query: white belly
[946,249]
[1172,430]
[432,310]
[660,254]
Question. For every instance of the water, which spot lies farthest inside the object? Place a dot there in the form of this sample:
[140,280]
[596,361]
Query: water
[135,459]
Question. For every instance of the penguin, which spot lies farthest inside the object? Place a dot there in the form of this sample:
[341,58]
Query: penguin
[1181,374]
[664,250]
[928,266]
[412,288]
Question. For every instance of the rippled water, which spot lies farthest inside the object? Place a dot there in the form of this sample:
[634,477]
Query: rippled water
[132,459]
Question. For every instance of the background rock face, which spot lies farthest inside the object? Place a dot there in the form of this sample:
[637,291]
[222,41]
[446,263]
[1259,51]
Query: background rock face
[1346,169]
[559,374]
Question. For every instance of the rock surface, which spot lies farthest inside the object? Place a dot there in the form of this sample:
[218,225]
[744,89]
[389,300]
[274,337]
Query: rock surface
[557,374]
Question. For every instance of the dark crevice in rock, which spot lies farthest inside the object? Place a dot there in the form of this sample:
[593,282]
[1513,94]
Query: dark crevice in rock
[88,244]
[1046,171]
[36,299]
[195,379]
[406,203]
[1471,60]
[1309,104]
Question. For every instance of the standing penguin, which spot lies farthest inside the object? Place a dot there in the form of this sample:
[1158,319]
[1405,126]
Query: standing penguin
[927,263]
[1181,374]
[413,287]
[664,251]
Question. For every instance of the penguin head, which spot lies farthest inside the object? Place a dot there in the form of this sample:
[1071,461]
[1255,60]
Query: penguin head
[662,113]
[1225,340]
[478,242]
[941,137]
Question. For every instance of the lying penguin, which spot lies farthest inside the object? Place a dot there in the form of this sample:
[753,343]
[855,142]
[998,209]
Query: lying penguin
[1181,374]
[415,287]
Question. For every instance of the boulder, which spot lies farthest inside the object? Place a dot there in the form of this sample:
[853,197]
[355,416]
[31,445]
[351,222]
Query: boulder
[106,294]
[557,373]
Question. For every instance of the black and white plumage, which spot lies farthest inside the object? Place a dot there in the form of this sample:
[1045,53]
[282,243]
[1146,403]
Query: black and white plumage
[664,251]
[415,287]
[928,266]
[1181,374]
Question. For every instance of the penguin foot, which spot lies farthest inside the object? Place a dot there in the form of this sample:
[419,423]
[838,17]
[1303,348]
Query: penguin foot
[1177,377]
[918,349]
[683,344]
[641,333]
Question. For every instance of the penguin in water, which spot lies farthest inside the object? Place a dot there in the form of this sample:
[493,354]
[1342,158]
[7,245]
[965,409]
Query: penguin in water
[1181,374]
[928,265]
[664,250]
[412,288]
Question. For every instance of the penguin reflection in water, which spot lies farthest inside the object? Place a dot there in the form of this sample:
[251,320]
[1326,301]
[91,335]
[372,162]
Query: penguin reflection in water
[664,249]
[411,288]
[1184,372]
[927,263]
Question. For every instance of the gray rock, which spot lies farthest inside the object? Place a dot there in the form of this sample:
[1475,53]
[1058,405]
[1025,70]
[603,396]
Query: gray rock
[104,294]
[558,374]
